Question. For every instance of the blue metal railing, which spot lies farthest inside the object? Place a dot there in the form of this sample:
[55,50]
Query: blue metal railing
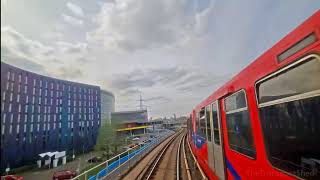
[111,165]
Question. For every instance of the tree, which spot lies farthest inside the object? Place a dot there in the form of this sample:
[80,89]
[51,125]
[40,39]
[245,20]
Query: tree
[108,140]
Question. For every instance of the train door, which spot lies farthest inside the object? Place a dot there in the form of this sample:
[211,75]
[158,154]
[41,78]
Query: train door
[219,163]
[209,138]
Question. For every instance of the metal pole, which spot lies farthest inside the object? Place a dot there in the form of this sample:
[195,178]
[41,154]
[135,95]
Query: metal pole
[128,159]
[85,176]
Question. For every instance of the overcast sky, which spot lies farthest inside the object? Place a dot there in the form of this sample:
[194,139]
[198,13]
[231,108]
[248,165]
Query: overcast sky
[176,52]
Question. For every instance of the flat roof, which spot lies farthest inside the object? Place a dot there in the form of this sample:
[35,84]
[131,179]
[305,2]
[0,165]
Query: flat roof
[132,128]
[4,63]
[103,91]
[129,112]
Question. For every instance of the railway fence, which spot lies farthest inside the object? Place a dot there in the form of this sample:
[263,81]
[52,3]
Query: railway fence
[114,167]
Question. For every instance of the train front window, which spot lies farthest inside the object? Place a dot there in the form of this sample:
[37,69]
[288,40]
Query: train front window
[289,105]
[239,129]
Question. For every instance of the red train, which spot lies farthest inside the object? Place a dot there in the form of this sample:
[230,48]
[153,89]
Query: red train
[265,122]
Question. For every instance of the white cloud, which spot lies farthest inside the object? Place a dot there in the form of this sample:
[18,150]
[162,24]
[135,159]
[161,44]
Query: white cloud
[67,47]
[75,9]
[51,60]
[22,46]
[72,20]
[131,44]
[140,24]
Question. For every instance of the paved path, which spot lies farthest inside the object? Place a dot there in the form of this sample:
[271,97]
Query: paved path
[46,174]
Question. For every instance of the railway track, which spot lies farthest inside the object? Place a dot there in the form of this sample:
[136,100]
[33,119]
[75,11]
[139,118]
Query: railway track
[164,162]
[166,165]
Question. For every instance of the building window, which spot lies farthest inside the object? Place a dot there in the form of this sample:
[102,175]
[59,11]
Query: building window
[4,118]
[289,117]
[3,129]
[10,129]
[11,118]
[18,128]
[239,125]
[8,75]
[4,96]
[12,76]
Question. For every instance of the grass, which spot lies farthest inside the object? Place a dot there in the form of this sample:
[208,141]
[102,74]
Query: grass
[21,169]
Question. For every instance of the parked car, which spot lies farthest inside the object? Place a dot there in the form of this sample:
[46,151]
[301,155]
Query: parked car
[95,159]
[64,174]
[132,145]
[12,177]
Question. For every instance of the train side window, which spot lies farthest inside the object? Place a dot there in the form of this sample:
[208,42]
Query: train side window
[208,123]
[216,130]
[289,108]
[202,123]
[198,123]
[239,125]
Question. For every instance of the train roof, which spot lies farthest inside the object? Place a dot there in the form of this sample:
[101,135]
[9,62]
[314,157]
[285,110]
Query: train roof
[269,59]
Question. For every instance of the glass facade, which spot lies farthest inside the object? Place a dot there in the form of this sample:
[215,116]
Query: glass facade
[107,106]
[41,114]
[138,116]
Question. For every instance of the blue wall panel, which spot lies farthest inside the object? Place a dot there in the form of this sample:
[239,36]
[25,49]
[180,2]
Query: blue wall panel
[31,107]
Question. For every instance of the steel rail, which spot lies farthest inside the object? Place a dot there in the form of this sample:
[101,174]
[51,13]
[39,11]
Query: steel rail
[185,158]
[178,158]
[155,162]
[195,160]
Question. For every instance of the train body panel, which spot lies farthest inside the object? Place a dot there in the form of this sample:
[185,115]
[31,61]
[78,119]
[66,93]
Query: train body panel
[241,111]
